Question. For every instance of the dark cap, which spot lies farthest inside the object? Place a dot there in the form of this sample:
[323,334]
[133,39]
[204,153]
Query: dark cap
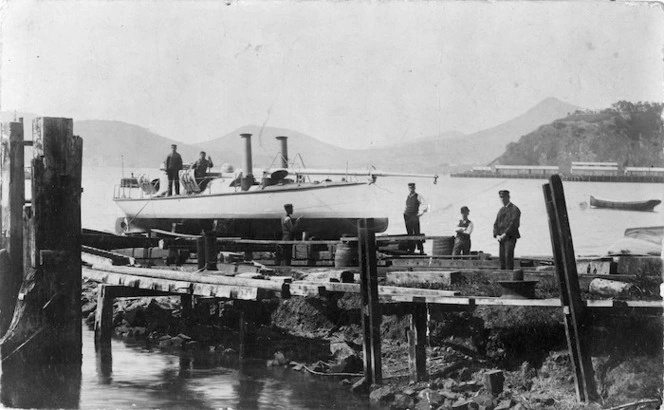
[464,210]
[503,193]
[173,146]
[286,206]
[411,184]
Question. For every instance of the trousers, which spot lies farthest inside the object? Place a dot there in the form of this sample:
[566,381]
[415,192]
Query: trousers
[506,253]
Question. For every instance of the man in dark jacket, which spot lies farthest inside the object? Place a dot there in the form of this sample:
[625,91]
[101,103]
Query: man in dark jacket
[506,230]
[173,167]
[289,228]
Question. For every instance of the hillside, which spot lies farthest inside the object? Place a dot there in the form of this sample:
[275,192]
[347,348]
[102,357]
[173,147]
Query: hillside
[630,134]
[433,154]
[111,143]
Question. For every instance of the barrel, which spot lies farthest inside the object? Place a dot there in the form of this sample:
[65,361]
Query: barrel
[345,255]
[443,245]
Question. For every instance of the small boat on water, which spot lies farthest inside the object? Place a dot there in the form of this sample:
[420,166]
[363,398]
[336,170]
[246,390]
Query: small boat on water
[234,203]
[647,205]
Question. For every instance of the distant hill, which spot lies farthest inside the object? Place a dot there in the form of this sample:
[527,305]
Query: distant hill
[627,133]
[110,143]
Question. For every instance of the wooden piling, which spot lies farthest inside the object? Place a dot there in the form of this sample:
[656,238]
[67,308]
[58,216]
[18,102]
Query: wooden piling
[417,355]
[12,200]
[210,251]
[371,315]
[46,327]
[200,252]
[576,318]
[104,316]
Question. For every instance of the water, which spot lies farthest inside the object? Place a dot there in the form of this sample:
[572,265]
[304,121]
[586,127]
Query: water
[131,376]
[593,230]
[144,378]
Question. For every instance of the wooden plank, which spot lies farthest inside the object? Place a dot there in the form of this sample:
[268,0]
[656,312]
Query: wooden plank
[599,266]
[417,342]
[575,315]
[371,316]
[13,199]
[422,277]
[104,316]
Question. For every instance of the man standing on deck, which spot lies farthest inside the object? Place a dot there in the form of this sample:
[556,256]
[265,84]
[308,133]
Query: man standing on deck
[288,233]
[463,230]
[173,167]
[201,167]
[416,206]
[506,230]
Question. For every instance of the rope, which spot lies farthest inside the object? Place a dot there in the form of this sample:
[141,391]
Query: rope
[333,374]
[23,344]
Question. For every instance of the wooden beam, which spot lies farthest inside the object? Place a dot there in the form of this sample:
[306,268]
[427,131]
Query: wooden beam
[417,335]
[104,316]
[371,316]
[13,199]
[576,321]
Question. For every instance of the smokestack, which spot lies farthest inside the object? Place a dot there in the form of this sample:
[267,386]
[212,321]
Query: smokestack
[284,151]
[247,172]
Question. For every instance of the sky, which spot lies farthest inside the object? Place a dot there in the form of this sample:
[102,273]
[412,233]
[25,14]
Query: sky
[353,74]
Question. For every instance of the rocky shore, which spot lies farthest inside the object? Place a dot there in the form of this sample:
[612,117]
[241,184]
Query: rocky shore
[485,359]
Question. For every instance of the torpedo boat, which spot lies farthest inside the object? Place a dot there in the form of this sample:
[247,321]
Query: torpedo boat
[237,204]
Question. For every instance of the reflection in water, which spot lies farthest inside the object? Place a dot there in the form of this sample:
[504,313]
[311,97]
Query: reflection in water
[30,386]
[104,364]
[135,376]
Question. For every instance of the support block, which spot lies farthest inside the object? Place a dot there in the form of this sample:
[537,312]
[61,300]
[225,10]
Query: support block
[420,277]
[493,382]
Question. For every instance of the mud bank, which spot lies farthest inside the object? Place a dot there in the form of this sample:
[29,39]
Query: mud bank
[323,335]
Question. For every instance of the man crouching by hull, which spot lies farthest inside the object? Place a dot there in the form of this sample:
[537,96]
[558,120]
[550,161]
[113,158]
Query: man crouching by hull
[289,229]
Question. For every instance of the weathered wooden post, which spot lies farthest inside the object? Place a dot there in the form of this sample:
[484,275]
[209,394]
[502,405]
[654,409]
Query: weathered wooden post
[576,319]
[45,332]
[211,251]
[417,334]
[104,316]
[13,198]
[371,315]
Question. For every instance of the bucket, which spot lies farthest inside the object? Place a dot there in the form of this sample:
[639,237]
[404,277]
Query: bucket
[345,255]
[443,246]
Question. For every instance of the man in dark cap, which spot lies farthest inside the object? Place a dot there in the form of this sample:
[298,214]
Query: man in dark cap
[201,168]
[463,230]
[506,230]
[173,167]
[416,206]
[288,233]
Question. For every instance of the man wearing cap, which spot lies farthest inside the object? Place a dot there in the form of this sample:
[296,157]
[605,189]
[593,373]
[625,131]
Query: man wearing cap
[288,233]
[506,230]
[173,167]
[201,168]
[416,206]
[463,230]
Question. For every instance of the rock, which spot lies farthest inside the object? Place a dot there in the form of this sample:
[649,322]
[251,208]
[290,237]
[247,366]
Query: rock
[402,402]
[485,400]
[429,399]
[191,345]
[345,382]
[450,395]
[504,404]
[409,391]
[90,320]
[229,351]
[320,366]
[341,349]
[460,404]
[360,386]
[519,406]
[279,359]
[350,364]
[88,308]
[171,343]
[184,337]
[469,386]
[381,396]
[465,374]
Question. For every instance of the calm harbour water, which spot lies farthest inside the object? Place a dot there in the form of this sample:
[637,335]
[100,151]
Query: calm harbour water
[141,378]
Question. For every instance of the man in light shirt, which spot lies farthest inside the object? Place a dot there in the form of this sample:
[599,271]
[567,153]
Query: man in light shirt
[463,230]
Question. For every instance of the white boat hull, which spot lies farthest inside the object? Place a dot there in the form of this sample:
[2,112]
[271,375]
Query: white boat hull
[328,209]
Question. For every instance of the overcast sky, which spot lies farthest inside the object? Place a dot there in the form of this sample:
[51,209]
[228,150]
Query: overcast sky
[349,73]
